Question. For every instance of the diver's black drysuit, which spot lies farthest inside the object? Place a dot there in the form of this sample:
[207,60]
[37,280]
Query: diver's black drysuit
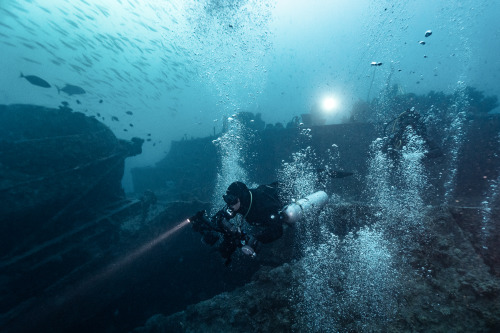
[260,207]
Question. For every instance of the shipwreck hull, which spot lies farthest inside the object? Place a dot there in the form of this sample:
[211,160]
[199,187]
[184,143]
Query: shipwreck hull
[51,159]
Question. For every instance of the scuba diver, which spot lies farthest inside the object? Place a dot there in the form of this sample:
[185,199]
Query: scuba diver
[396,139]
[261,208]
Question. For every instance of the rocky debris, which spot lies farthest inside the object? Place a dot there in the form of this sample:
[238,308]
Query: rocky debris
[479,224]
[263,305]
[443,286]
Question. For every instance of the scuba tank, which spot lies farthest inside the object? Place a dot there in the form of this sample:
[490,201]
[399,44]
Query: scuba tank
[296,211]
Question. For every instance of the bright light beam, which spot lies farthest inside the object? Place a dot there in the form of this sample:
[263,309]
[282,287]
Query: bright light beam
[329,104]
[50,307]
[113,267]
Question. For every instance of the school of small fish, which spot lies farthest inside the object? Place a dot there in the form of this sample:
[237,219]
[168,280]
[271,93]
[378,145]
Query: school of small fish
[100,51]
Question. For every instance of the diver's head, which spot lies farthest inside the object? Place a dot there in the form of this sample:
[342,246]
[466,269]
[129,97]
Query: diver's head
[230,199]
[236,195]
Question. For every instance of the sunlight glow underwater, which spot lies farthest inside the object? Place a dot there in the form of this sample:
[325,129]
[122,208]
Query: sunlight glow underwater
[329,104]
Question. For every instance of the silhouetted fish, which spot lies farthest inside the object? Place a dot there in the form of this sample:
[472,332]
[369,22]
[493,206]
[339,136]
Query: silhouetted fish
[129,113]
[35,80]
[71,90]
[114,118]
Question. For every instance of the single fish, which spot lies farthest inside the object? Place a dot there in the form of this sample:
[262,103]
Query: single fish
[374,63]
[35,80]
[114,118]
[129,113]
[71,90]
[428,33]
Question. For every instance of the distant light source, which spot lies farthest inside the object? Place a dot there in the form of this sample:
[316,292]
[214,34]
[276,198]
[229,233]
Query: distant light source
[329,104]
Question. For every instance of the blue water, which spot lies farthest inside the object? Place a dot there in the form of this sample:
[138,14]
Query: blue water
[169,70]
[181,66]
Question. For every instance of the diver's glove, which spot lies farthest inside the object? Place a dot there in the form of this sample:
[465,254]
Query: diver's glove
[199,221]
[251,246]
[231,230]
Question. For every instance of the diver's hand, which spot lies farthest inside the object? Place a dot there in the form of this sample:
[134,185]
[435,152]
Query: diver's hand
[231,229]
[197,220]
[251,247]
[197,217]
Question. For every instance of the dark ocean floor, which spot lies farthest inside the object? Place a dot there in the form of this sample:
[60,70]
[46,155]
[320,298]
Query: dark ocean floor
[443,285]
[439,278]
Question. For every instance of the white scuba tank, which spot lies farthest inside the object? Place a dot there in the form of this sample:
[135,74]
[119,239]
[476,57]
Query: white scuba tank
[296,211]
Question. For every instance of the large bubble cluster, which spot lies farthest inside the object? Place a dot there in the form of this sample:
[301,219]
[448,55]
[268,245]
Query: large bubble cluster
[370,279]
[398,187]
[349,284]
[488,204]
[315,302]
[231,146]
[455,132]
[299,178]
